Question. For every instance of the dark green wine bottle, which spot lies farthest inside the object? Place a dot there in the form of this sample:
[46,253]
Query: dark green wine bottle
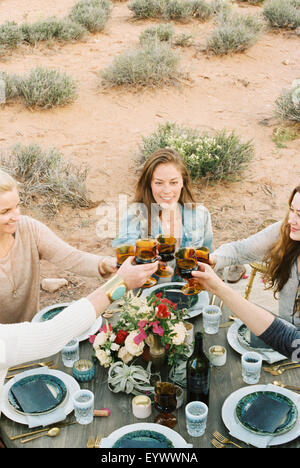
[198,373]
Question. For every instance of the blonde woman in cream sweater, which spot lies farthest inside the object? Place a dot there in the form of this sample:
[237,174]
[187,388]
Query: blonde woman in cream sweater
[24,242]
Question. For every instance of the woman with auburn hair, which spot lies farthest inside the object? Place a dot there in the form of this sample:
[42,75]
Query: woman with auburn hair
[278,246]
[164,204]
[24,242]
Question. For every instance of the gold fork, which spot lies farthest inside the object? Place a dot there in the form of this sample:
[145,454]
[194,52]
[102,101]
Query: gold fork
[23,366]
[13,375]
[224,440]
[98,441]
[217,444]
[90,442]
[277,366]
[281,371]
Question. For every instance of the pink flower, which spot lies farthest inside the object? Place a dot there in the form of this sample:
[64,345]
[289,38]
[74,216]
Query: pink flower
[157,329]
[92,338]
[104,328]
[142,323]
[140,337]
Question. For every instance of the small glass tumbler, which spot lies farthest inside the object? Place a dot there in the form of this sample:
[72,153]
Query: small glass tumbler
[70,353]
[196,417]
[83,370]
[251,367]
[211,319]
[83,401]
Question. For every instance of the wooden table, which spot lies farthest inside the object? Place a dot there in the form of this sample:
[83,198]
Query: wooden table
[224,381]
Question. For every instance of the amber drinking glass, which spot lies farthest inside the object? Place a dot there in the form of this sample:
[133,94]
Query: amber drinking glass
[146,252]
[186,262]
[166,249]
[165,402]
[123,252]
[202,254]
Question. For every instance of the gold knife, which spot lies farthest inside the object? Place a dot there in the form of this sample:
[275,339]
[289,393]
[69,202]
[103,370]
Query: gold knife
[41,430]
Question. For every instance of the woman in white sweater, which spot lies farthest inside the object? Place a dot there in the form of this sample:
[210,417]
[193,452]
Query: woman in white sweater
[279,247]
[27,341]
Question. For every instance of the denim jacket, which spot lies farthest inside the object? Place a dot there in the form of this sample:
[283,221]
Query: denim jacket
[196,226]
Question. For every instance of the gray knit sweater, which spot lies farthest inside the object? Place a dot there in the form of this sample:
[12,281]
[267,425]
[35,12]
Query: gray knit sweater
[253,249]
[284,338]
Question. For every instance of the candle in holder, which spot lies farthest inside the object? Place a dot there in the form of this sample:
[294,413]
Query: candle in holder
[217,355]
[83,370]
[141,406]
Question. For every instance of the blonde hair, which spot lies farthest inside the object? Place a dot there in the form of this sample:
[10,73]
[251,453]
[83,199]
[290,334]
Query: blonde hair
[7,182]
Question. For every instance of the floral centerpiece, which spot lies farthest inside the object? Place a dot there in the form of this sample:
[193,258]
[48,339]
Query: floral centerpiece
[140,320]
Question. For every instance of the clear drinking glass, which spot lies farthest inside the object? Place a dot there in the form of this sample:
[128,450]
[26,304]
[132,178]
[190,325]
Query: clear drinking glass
[196,417]
[70,353]
[83,401]
[251,367]
[211,319]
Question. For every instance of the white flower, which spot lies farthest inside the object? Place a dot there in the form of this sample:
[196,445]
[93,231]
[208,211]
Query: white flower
[103,358]
[124,355]
[115,347]
[100,340]
[131,346]
[180,333]
[112,337]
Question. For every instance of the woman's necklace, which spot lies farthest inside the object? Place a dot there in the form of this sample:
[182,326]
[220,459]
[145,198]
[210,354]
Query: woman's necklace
[9,274]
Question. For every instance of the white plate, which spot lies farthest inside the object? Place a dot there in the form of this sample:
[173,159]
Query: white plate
[69,381]
[203,298]
[232,338]
[85,336]
[241,433]
[173,436]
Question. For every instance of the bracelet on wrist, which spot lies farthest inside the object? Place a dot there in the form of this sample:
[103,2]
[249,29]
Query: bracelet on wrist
[115,288]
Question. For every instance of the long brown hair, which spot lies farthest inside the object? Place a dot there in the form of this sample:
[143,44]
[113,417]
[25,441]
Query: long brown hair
[281,257]
[143,192]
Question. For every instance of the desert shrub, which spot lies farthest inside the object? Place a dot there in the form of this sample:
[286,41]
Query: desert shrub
[288,103]
[282,13]
[235,33]
[162,33]
[221,156]
[147,8]
[178,9]
[153,64]
[92,14]
[47,88]
[10,89]
[10,36]
[51,28]
[46,177]
[204,10]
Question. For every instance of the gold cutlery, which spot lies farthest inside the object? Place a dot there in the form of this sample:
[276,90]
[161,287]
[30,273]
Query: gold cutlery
[19,436]
[13,375]
[53,432]
[98,441]
[290,387]
[224,440]
[90,442]
[23,366]
[217,444]
[277,366]
[281,371]
[226,324]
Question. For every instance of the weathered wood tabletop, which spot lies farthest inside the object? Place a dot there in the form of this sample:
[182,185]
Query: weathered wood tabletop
[224,381]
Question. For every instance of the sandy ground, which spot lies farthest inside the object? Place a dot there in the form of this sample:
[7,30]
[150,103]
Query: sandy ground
[103,128]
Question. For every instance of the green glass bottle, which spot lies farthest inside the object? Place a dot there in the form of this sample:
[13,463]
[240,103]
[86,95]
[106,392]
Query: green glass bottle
[198,373]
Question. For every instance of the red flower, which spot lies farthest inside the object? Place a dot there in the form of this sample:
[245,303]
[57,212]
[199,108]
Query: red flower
[162,311]
[168,302]
[121,337]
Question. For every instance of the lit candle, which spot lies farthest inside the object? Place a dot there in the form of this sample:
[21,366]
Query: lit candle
[217,355]
[141,406]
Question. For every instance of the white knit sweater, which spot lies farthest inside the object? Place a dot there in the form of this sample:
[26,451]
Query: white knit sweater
[25,342]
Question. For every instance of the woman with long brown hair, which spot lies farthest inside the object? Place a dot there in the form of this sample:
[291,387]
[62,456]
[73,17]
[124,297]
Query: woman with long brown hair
[164,204]
[278,246]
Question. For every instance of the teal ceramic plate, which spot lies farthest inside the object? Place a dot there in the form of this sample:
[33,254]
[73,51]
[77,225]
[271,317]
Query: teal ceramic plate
[54,394]
[143,439]
[266,414]
[244,337]
[52,313]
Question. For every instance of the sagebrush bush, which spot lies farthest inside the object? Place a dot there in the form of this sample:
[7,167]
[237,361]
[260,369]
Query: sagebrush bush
[92,14]
[288,103]
[10,36]
[221,156]
[172,9]
[11,86]
[147,8]
[51,28]
[153,64]
[235,33]
[282,13]
[162,32]
[47,88]
[47,177]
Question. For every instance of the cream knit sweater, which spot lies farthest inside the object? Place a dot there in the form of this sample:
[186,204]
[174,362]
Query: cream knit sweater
[20,269]
[25,342]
